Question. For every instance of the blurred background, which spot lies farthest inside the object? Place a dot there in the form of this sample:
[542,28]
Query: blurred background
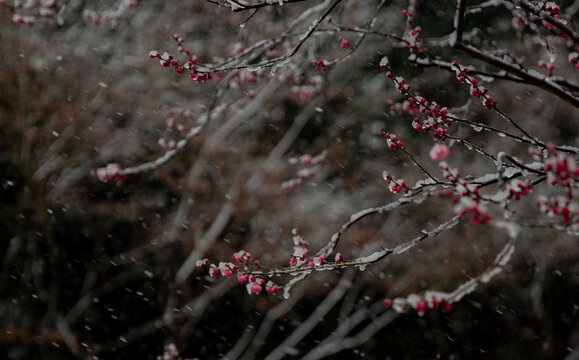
[90,269]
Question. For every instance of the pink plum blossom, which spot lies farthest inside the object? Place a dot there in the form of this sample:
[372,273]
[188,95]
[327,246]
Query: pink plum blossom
[439,152]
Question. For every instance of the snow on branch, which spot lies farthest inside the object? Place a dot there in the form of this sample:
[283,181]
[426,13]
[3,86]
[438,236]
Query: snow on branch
[434,299]
[360,262]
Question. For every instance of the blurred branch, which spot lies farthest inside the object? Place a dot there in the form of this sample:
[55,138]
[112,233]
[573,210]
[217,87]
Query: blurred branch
[281,59]
[336,344]
[242,5]
[203,245]
[87,299]
[180,146]
[192,310]
[258,339]
[314,319]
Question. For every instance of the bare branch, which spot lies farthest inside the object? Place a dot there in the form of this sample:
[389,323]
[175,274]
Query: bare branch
[313,320]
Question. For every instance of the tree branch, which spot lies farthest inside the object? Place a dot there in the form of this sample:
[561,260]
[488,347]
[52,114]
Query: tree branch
[534,79]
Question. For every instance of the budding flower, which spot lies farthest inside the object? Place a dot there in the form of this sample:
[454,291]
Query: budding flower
[253,288]
[421,308]
[214,272]
[384,62]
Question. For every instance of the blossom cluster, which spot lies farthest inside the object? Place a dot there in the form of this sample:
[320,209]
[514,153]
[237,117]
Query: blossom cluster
[29,12]
[437,117]
[560,206]
[176,114]
[176,124]
[392,140]
[245,265]
[421,304]
[306,91]
[479,213]
[549,8]
[519,188]
[301,253]
[248,272]
[243,79]
[561,169]
[111,172]
[395,185]
[308,170]
[168,60]
[549,66]
[111,16]
[301,249]
[415,40]
[320,65]
[401,85]
[463,188]
[475,89]
[345,44]
[466,197]
[410,11]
